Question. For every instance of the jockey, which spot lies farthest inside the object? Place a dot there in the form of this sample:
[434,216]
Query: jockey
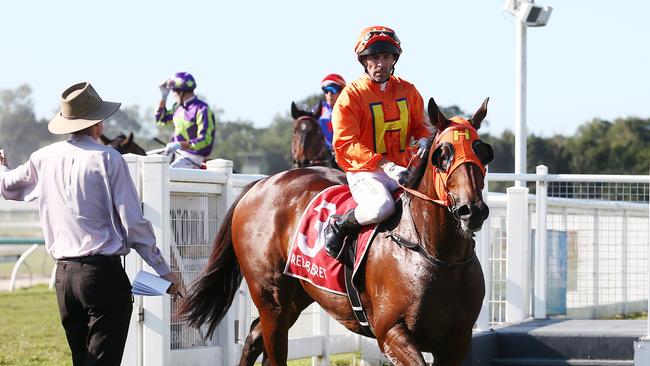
[193,122]
[332,85]
[374,120]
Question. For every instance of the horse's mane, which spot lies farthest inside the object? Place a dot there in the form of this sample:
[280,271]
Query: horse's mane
[415,174]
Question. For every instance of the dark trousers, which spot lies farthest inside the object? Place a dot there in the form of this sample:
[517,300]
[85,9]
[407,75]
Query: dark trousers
[95,304]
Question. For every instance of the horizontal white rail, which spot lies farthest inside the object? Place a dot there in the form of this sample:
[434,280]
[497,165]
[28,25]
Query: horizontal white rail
[588,178]
[500,200]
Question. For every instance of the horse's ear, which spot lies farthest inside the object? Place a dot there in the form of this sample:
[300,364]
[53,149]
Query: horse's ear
[104,139]
[438,120]
[480,114]
[319,110]
[295,113]
[129,139]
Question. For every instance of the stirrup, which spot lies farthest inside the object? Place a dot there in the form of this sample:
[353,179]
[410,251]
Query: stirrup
[334,238]
[336,251]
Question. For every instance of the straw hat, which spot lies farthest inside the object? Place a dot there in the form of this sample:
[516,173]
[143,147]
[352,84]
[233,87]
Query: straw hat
[81,107]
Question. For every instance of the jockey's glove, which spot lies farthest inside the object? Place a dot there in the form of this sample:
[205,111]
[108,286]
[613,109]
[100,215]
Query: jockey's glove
[171,147]
[3,158]
[396,172]
[422,147]
[164,90]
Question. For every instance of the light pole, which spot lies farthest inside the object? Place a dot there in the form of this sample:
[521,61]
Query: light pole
[521,134]
[527,14]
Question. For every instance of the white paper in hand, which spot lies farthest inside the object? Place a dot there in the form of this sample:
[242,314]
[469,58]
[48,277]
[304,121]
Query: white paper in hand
[148,284]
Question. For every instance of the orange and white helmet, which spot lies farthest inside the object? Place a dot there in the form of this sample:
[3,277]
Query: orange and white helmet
[377,39]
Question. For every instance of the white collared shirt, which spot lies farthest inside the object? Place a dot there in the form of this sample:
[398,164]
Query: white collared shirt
[88,203]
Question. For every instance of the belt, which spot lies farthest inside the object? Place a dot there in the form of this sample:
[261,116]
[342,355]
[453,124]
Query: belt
[93,259]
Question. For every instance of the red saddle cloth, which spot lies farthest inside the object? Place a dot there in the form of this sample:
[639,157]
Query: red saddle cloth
[307,257]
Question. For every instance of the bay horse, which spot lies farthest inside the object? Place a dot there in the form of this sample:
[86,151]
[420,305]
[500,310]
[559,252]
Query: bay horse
[423,297]
[308,146]
[123,144]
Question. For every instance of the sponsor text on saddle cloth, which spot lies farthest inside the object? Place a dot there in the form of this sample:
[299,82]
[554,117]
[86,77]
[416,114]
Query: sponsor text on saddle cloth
[307,257]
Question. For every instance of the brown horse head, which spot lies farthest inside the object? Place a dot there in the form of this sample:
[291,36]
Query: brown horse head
[454,170]
[308,142]
[123,144]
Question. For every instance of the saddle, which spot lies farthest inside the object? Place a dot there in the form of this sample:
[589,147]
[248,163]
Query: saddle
[308,261]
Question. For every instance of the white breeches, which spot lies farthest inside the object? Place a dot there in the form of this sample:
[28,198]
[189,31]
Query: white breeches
[186,160]
[371,191]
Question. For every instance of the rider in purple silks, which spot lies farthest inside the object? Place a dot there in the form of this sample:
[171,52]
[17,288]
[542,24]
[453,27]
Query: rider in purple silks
[193,122]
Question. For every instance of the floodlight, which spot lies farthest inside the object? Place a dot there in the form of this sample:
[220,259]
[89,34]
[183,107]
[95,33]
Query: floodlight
[533,15]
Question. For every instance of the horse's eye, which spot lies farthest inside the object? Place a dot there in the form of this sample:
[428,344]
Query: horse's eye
[483,152]
[443,156]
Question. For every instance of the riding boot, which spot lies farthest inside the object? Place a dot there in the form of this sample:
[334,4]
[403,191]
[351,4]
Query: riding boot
[335,232]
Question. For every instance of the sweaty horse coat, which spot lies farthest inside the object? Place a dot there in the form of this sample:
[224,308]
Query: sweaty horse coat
[423,299]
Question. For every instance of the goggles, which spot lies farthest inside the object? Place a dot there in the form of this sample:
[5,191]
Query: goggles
[379,33]
[334,89]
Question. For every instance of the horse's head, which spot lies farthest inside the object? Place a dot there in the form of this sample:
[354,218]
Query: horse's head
[308,142]
[455,168]
[123,144]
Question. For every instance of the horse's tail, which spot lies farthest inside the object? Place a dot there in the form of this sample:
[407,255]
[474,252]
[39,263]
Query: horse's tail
[212,293]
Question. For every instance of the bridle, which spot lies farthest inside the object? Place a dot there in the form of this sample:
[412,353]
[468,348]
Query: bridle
[440,176]
[448,199]
[323,157]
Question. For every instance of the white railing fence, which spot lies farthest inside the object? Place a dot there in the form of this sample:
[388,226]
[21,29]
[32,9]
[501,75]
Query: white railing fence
[590,259]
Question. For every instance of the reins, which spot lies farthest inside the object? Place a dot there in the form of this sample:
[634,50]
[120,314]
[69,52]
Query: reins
[447,203]
[417,246]
[450,203]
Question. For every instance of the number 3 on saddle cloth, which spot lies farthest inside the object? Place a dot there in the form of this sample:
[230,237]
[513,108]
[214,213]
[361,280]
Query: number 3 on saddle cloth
[307,257]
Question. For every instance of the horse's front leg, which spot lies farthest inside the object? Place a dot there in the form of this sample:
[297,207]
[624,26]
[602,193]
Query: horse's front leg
[399,346]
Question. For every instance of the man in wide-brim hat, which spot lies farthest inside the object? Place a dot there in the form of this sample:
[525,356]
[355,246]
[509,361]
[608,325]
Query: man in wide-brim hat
[90,215]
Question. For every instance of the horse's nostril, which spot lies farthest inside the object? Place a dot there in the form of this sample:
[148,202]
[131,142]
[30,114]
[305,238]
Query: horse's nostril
[464,210]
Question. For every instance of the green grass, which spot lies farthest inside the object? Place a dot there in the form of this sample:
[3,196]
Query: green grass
[347,359]
[31,333]
[631,316]
[30,329]
[39,264]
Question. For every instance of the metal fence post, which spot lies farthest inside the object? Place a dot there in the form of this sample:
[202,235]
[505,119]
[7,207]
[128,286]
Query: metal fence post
[321,324]
[155,205]
[642,346]
[370,353]
[224,166]
[539,303]
[226,329]
[518,255]
[484,248]
[595,285]
[133,352]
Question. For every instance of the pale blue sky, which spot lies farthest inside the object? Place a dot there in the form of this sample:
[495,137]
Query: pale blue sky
[252,58]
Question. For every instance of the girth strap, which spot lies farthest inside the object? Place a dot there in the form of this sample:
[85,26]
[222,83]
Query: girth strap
[353,294]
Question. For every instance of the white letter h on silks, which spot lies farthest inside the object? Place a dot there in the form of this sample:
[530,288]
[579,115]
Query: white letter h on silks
[318,226]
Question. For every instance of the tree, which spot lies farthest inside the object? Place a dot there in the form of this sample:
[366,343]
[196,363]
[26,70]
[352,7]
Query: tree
[589,149]
[20,132]
[504,152]
[233,140]
[550,152]
[124,121]
[275,143]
